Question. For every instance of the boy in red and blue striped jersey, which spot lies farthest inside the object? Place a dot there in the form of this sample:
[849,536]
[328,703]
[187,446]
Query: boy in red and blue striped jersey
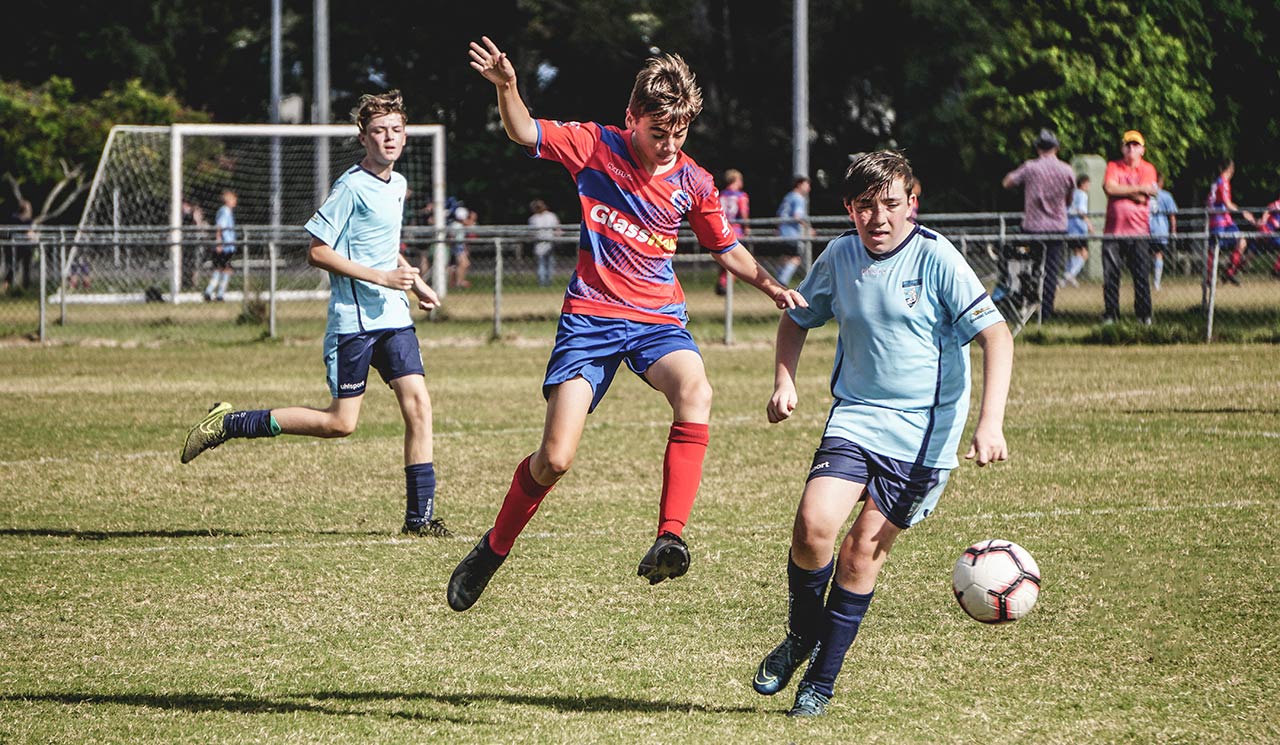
[623,302]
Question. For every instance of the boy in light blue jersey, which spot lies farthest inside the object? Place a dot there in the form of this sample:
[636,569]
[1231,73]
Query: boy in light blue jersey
[907,306]
[356,238]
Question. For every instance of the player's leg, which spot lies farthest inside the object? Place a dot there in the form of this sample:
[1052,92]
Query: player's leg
[823,509]
[862,554]
[1157,266]
[419,458]
[1053,249]
[678,373]
[1110,279]
[567,406]
[1137,255]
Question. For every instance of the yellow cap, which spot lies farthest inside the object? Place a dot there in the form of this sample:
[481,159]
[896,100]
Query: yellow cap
[1133,135]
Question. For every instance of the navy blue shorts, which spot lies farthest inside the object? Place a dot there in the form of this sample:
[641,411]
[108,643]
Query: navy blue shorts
[593,347]
[904,492]
[394,353]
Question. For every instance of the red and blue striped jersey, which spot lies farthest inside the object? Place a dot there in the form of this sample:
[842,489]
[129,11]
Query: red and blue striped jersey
[1270,222]
[629,222]
[1219,195]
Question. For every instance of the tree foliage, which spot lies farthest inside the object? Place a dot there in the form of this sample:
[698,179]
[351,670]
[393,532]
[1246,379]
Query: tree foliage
[961,85]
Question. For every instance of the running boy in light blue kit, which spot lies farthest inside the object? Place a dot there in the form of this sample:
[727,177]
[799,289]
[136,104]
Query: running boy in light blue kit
[907,306]
[355,236]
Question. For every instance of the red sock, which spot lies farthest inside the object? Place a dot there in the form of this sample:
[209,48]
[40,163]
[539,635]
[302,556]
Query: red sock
[681,474]
[521,502]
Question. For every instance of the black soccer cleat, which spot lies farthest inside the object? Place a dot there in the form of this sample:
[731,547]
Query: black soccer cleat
[433,528]
[668,558]
[778,666]
[473,574]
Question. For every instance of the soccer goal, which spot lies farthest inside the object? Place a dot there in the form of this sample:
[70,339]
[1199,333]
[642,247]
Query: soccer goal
[149,219]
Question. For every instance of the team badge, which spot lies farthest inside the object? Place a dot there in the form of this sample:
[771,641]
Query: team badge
[911,288]
[681,200]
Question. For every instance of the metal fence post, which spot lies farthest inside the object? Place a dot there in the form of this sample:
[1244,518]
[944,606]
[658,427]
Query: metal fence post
[62,279]
[497,288]
[44,265]
[271,288]
[244,262]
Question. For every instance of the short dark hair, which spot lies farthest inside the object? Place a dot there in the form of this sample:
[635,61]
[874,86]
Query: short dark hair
[1225,163]
[871,174]
[799,180]
[1081,179]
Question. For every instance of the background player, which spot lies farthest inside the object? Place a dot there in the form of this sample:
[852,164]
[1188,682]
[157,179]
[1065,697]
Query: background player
[623,302]
[356,238]
[907,305]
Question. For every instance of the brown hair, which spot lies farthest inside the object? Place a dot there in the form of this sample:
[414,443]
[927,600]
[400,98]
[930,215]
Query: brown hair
[667,90]
[373,105]
[870,175]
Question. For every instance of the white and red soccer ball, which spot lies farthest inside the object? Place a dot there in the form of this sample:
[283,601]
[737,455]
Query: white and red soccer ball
[996,581]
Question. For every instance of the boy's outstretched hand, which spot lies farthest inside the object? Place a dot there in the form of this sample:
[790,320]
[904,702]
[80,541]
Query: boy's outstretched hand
[787,299]
[491,62]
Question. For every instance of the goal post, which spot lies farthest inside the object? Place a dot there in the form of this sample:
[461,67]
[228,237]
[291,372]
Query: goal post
[147,173]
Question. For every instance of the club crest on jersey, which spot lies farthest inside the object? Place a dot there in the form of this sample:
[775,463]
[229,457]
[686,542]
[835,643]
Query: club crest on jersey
[681,200]
[911,288]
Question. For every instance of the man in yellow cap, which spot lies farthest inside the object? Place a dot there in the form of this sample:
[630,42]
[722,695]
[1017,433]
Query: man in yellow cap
[1129,184]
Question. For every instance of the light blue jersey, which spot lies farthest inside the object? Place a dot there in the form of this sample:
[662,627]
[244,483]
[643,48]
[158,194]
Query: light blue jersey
[226,222]
[794,209]
[906,317]
[361,221]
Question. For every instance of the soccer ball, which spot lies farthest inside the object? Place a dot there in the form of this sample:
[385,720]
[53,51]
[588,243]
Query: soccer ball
[996,581]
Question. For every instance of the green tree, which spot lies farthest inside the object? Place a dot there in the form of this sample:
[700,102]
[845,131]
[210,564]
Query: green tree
[50,140]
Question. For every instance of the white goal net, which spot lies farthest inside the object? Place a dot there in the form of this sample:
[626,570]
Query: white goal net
[147,230]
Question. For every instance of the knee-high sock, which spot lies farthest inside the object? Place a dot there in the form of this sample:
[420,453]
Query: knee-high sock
[521,502]
[419,493]
[223,279]
[786,273]
[256,423]
[806,589]
[213,284]
[844,613]
[1158,270]
[681,474]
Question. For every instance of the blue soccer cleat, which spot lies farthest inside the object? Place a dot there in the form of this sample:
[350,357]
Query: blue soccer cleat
[778,666]
[809,703]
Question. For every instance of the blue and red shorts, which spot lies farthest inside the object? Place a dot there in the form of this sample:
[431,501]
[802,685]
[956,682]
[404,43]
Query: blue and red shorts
[905,493]
[594,346]
[394,353]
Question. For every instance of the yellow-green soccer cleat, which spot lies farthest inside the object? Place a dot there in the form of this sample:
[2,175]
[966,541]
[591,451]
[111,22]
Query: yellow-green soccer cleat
[208,434]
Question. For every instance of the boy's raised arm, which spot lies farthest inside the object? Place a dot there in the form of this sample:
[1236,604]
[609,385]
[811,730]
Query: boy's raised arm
[496,67]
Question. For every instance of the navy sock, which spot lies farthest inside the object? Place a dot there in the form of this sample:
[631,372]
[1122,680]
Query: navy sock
[258,423]
[805,591]
[844,613]
[419,493]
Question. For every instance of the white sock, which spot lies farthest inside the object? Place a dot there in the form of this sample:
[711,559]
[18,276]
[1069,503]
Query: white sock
[1075,265]
[213,284]
[223,278]
[786,273]
[1159,270]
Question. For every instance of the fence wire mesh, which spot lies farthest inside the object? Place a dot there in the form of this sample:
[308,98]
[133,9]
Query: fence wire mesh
[68,284]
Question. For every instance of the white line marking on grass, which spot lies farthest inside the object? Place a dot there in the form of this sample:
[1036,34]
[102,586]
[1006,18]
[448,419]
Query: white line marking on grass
[467,540]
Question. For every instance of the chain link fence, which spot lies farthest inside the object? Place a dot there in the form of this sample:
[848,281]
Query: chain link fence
[117,284]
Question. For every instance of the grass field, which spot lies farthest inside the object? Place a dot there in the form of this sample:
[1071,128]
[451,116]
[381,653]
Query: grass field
[261,593]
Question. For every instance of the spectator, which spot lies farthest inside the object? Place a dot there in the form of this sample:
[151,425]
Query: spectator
[737,210]
[547,229]
[1078,225]
[1269,223]
[193,224]
[794,211]
[1220,223]
[1047,185]
[460,218]
[1129,184]
[225,249]
[1163,223]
